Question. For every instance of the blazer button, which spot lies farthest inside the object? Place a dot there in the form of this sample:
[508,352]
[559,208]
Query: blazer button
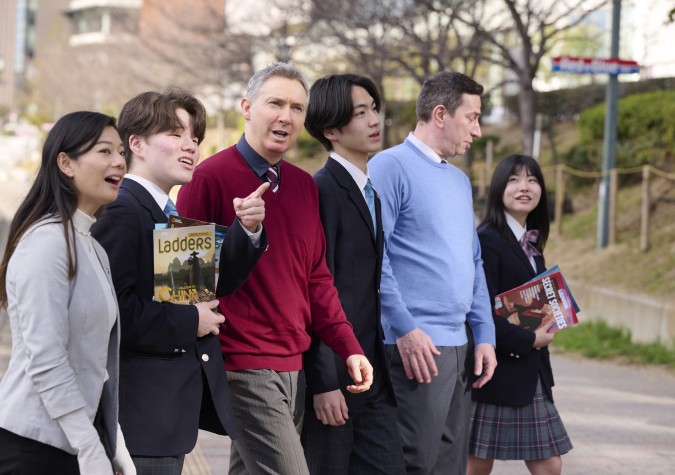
[205,357]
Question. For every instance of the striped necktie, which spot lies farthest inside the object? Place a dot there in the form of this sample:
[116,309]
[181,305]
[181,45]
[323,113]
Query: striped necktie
[370,201]
[272,175]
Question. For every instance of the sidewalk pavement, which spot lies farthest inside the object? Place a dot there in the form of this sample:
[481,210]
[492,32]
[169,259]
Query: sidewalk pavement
[621,419]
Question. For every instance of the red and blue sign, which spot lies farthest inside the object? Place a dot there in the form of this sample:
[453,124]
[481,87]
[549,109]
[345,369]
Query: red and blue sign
[570,64]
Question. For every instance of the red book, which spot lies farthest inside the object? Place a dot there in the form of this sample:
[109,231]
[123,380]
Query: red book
[538,301]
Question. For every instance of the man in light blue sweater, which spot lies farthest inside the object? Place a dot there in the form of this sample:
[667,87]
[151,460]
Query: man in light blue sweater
[432,277]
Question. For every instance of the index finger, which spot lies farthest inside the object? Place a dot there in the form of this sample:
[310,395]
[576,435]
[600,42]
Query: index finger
[259,192]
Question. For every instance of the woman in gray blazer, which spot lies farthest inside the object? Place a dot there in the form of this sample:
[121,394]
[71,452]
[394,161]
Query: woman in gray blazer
[59,394]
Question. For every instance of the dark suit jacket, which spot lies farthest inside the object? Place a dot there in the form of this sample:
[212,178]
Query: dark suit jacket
[518,364]
[171,382]
[354,257]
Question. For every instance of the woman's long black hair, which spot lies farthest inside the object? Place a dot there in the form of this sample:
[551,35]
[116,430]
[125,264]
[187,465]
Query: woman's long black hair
[52,192]
[494,204]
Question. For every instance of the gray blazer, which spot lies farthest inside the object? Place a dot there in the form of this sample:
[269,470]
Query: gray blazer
[61,346]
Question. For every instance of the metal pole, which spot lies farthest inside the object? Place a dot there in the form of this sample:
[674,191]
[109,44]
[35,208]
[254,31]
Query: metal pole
[609,144]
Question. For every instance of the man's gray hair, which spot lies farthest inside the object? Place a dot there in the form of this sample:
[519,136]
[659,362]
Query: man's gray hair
[284,70]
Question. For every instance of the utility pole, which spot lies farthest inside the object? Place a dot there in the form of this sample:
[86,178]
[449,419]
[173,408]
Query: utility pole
[609,144]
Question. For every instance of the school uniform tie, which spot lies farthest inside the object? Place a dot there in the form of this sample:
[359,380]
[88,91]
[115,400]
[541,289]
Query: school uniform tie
[370,201]
[272,175]
[528,241]
[170,209]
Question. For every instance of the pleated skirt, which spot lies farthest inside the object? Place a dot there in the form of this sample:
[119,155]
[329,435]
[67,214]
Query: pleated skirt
[532,432]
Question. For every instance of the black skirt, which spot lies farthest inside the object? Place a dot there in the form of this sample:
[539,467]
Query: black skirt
[27,456]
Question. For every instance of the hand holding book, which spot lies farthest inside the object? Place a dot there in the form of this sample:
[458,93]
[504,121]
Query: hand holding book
[536,303]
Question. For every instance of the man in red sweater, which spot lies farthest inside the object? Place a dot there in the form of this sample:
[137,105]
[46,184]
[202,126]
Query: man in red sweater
[290,293]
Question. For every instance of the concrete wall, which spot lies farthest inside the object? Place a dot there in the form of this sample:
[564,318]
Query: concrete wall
[649,320]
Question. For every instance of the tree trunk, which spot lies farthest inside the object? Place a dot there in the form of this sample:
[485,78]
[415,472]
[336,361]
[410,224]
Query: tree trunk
[527,113]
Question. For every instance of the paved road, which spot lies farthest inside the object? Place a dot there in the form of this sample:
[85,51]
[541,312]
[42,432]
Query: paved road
[621,419]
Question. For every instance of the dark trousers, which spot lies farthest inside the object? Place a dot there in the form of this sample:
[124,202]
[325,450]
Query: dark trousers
[367,444]
[19,455]
[159,465]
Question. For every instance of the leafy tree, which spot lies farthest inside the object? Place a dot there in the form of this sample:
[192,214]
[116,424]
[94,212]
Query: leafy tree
[521,33]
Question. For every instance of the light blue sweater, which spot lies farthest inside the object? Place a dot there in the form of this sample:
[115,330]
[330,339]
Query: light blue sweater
[432,274]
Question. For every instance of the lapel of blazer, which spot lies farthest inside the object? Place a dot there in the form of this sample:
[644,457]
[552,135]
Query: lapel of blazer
[345,180]
[514,245]
[379,240]
[145,199]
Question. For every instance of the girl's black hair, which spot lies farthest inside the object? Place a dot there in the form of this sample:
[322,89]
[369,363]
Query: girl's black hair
[494,204]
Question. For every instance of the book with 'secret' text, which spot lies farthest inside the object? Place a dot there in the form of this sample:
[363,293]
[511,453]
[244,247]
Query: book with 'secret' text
[538,301]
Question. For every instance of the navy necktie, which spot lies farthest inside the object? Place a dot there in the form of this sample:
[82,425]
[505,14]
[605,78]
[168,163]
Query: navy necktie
[370,201]
[170,209]
[528,241]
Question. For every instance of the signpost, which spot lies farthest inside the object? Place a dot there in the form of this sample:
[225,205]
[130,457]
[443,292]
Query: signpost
[613,66]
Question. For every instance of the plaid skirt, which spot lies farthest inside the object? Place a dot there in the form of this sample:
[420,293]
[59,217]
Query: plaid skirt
[532,432]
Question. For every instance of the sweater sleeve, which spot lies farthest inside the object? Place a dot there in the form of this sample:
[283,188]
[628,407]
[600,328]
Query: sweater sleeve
[480,315]
[387,176]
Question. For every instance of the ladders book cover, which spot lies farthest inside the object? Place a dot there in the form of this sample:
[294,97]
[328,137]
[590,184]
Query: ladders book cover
[184,264]
[221,230]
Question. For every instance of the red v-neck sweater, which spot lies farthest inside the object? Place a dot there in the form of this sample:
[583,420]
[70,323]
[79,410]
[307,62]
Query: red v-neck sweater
[290,291]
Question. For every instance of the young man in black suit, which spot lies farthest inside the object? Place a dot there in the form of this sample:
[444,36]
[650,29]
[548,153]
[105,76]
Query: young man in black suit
[172,379]
[350,433]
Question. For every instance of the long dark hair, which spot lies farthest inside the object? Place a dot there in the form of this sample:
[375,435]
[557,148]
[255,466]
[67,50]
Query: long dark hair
[52,192]
[494,204]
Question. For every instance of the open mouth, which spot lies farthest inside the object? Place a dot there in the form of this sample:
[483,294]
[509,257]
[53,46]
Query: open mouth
[186,161]
[282,134]
[113,179]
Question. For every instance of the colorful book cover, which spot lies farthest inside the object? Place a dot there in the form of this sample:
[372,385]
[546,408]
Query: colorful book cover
[538,301]
[220,230]
[184,264]
[556,268]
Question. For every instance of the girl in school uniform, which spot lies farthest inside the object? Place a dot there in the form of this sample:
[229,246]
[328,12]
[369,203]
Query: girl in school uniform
[514,416]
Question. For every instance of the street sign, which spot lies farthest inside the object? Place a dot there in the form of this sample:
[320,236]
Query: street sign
[570,64]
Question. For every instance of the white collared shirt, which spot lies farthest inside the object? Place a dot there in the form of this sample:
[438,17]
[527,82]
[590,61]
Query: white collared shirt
[518,231]
[162,199]
[155,191]
[426,150]
[359,177]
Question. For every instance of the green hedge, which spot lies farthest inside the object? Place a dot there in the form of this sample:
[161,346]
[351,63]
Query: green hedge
[645,132]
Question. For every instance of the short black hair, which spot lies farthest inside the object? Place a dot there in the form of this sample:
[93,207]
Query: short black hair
[330,103]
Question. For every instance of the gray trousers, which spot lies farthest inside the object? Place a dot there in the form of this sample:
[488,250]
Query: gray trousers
[434,418]
[268,406]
